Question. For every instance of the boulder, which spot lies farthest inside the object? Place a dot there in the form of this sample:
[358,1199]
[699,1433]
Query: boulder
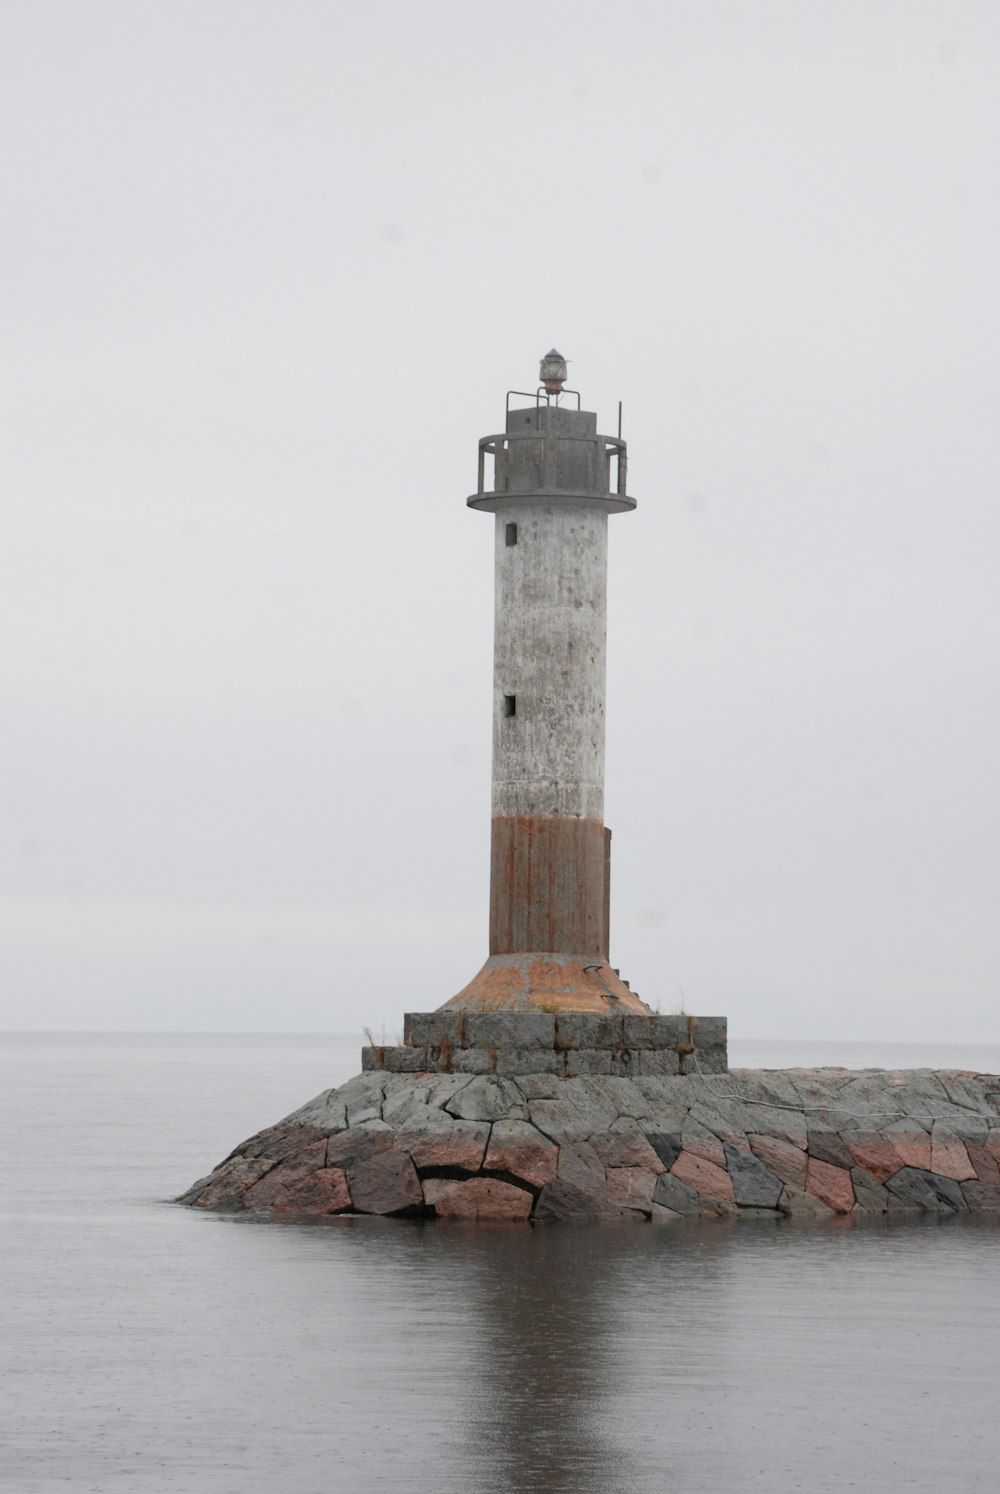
[785,1160]
[488,1099]
[517,1148]
[631,1187]
[707,1179]
[671,1193]
[915,1189]
[386,1183]
[477,1198]
[754,1185]
[831,1185]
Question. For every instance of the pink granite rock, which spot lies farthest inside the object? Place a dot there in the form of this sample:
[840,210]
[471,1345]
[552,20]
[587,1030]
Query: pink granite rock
[874,1152]
[831,1185]
[986,1164]
[227,1185]
[707,1180]
[913,1148]
[477,1198]
[287,1175]
[461,1145]
[702,1142]
[321,1192]
[631,1187]
[518,1148]
[784,1158]
[982,1196]
[949,1159]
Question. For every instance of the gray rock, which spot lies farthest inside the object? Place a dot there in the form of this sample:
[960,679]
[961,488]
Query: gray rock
[540,1086]
[963,1091]
[666,1144]
[826,1146]
[443,1088]
[402,1106]
[767,1087]
[753,1184]
[386,1183]
[327,1112]
[869,1202]
[579,1164]
[871,1197]
[917,1189]
[354,1148]
[505,1029]
[488,1098]
[628,1097]
[660,1215]
[731,1118]
[671,1193]
[974,1128]
[362,1097]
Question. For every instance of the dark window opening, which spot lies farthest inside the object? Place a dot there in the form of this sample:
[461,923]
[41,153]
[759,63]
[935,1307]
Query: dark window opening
[510,705]
[511,534]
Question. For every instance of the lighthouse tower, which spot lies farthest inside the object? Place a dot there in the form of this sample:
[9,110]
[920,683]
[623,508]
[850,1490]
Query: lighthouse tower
[555,480]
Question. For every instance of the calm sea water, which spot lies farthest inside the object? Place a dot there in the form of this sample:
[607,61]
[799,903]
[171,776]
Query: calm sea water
[144,1347]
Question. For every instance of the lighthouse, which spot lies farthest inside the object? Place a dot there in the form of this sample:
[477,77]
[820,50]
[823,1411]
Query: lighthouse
[550,480]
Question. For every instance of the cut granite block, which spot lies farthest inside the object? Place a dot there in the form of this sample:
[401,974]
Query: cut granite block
[654,1032]
[432,1029]
[710,1032]
[588,1030]
[472,1061]
[397,1060]
[515,1061]
[588,1061]
[657,1063]
[509,1030]
[714,1060]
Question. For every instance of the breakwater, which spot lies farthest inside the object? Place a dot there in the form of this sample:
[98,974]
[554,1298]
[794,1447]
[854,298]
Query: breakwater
[667,1148]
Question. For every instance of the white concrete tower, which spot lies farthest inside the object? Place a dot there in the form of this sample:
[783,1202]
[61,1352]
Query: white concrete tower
[555,481]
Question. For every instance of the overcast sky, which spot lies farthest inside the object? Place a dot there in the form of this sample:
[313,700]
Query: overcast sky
[268,271]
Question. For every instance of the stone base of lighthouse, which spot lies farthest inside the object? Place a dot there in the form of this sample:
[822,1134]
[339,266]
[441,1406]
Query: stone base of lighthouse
[812,1145]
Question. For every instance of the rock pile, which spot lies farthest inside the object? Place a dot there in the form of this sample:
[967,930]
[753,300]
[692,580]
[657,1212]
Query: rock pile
[811,1143]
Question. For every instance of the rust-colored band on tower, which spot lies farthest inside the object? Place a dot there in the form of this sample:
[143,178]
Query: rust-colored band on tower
[548,885]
